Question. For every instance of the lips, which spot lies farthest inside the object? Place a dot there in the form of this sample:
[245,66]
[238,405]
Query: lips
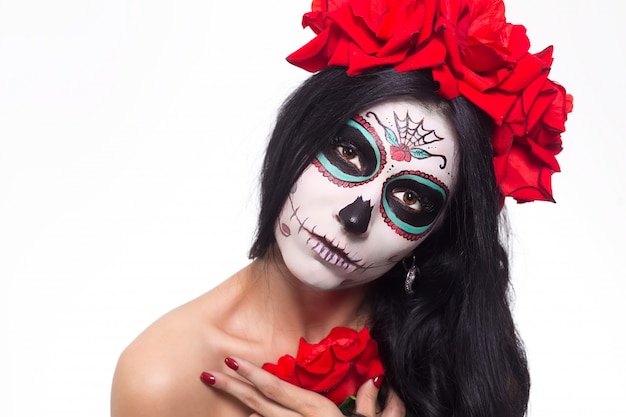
[330,253]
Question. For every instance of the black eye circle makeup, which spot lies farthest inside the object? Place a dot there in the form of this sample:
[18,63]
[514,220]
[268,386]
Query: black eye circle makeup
[412,201]
[354,157]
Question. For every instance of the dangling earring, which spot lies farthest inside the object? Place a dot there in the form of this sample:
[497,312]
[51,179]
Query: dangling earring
[411,273]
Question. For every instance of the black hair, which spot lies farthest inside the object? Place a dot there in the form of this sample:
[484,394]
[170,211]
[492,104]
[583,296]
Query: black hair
[450,349]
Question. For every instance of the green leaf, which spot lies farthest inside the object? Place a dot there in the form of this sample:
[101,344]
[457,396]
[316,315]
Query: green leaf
[348,404]
[391,137]
[419,153]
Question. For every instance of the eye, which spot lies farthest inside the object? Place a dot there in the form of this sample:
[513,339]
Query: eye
[354,156]
[412,201]
[350,154]
[409,198]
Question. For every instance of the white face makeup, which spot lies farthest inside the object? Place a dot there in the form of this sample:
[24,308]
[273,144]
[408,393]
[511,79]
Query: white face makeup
[370,197]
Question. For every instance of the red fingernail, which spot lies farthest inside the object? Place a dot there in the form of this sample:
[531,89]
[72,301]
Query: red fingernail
[231,363]
[378,381]
[207,378]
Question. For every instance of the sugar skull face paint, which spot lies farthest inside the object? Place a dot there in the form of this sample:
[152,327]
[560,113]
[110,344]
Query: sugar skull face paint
[370,197]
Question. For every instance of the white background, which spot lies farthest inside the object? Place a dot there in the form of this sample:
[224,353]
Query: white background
[130,138]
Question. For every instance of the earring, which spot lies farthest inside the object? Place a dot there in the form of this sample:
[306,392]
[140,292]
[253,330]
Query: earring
[411,273]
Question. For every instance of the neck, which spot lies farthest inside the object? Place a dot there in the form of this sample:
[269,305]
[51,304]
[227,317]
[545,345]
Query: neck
[295,309]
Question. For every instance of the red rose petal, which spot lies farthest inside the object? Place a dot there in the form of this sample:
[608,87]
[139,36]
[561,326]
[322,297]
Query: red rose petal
[339,53]
[496,104]
[311,56]
[327,5]
[483,58]
[448,84]
[560,106]
[394,20]
[315,382]
[360,61]
[525,72]
[518,44]
[372,12]
[348,387]
[348,350]
[431,55]
[526,179]
[356,29]
[340,333]
[320,364]
[540,107]
[316,21]
[516,119]
[406,36]
[487,21]
[530,93]
[502,139]
[284,369]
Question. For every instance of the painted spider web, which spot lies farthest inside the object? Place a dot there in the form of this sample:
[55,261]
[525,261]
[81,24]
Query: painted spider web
[414,134]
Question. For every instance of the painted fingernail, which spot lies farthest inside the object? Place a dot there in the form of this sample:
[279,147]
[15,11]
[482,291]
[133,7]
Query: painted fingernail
[231,363]
[207,378]
[378,381]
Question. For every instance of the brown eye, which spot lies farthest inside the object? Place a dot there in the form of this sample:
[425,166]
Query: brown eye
[353,156]
[409,198]
[349,154]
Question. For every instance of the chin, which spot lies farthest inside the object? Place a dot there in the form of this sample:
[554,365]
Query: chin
[317,279]
[327,281]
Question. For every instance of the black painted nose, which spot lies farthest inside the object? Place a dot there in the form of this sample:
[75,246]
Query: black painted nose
[356,215]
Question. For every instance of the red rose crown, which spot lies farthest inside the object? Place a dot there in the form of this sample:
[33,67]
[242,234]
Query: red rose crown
[472,52]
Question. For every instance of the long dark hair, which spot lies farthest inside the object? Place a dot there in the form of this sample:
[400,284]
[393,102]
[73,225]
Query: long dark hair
[450,349]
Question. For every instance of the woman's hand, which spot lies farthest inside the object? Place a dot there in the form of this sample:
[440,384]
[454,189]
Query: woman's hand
[270,396]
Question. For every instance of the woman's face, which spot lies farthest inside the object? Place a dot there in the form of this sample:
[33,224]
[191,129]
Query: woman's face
[370,197]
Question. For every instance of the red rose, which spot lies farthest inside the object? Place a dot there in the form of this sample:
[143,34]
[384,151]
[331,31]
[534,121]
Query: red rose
[368,33]
[484,53]
[472,52]
[529,138]
[336,367]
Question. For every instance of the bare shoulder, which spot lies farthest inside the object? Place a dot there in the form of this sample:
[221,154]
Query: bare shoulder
[158,373]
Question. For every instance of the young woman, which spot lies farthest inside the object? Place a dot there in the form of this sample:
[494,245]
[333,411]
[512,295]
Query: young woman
[380,209]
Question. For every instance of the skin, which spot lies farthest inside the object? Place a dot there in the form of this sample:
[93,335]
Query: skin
[354,172]
[261,312]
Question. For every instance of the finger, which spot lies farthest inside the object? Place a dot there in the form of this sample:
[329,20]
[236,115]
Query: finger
[366,397]
[246,393]
[291,397]
[394,407]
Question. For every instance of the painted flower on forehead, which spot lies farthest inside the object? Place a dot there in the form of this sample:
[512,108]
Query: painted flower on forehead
[472,51]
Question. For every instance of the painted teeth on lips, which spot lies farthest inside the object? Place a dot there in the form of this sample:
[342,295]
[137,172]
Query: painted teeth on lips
[329,254]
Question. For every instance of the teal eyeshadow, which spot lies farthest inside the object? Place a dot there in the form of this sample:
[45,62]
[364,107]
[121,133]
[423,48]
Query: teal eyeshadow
[415,230]
[339,174]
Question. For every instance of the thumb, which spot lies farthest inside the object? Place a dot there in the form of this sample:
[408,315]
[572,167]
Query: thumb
[367,395]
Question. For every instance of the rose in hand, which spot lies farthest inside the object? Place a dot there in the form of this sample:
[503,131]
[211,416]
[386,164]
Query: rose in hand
[335,367]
